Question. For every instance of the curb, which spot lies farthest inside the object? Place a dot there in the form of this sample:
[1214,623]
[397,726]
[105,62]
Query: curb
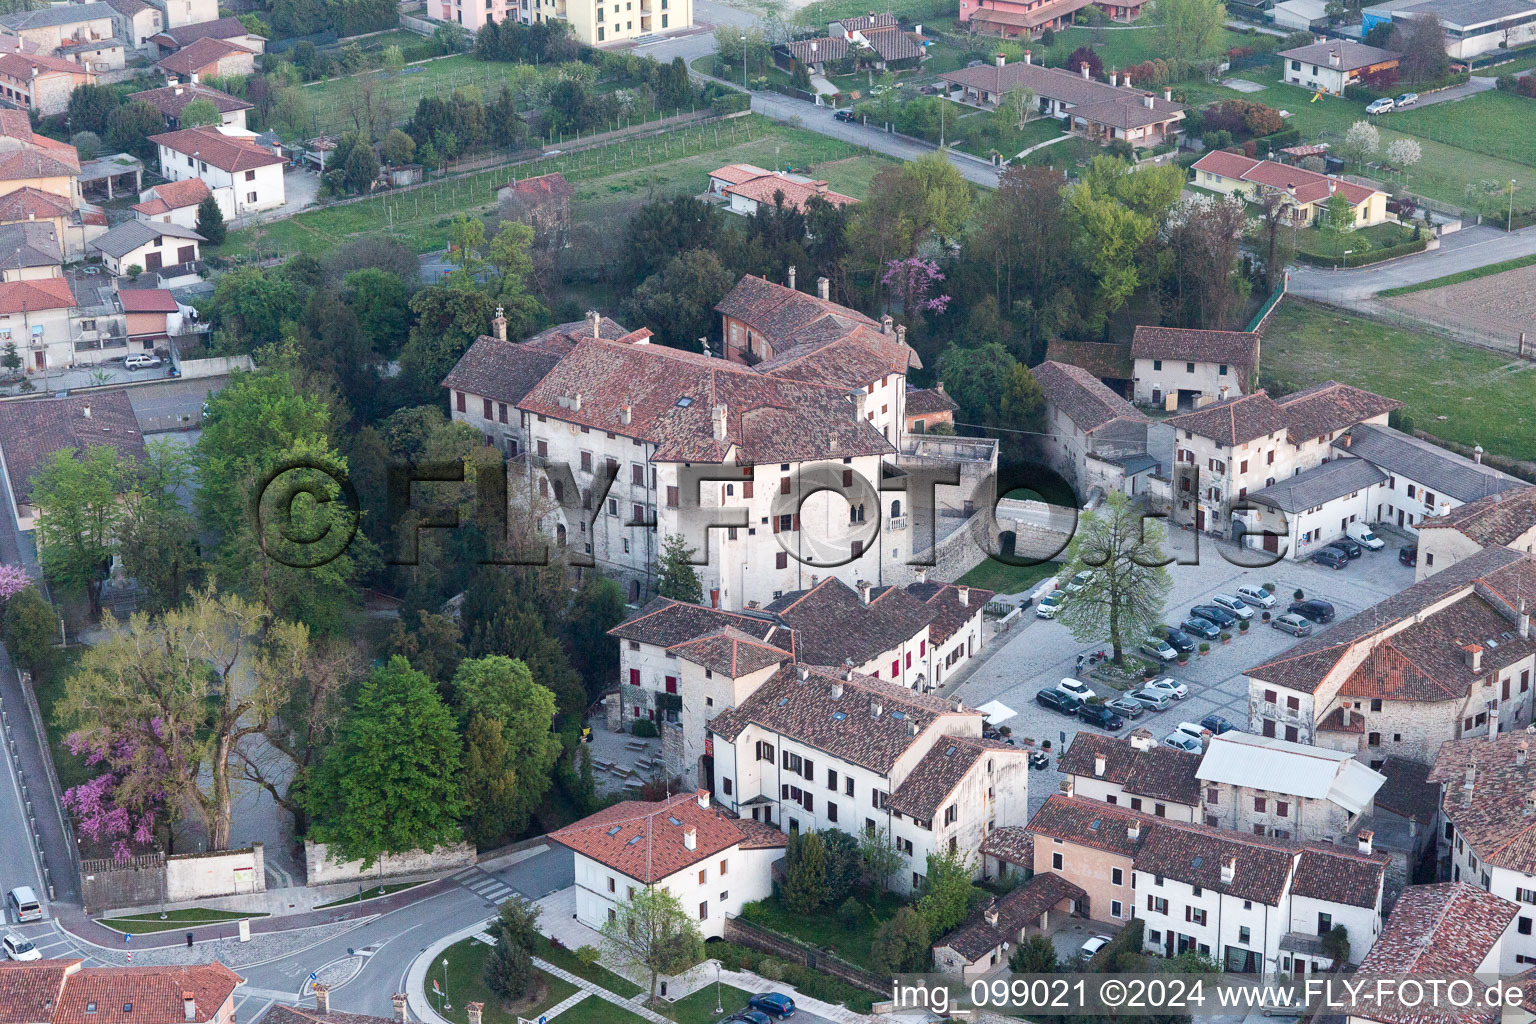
[416,975]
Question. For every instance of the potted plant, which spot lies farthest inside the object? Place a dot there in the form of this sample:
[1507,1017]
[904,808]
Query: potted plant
[1226,637]
[1272,587]
[1205,648]
[1264,616]
[1242,625]
[1298,595]
[1045,744]
[1006,731]
[1183,659]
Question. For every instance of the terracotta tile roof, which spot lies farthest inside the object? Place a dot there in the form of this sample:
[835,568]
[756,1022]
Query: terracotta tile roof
[170,100]
[1496,577]
[805,703]
[730,652]
[226,152]
[887,40]
[196,56]
[1056,84]
[935,776]
[950,615]
[664,622]
[1311,186]
[507,371]
[1091,823]
[1238,349]
[1496,818]
[926,401]
[20,65]
[48,293]
[1083,397]
[1236,421]
[1497,519]
[30,991]
[1011,844]
[838,354]
[779,313]
[1408,792]
[645,840]
[1337,875]
[865,22]
[283,1014]
[833,625]
[38,161]
[1447,928]
[173,195]
[768,188]
[1128,110]
[129,8]
[219,28]
[1352,55]
[1160,773]
[1196,856]
[1020,907]
[1100,358]
[545,186]
[1334,722]
[147,300]
[1330,406]
[156,994]
[28,203]
[1032,18]
[32,431]
[735,174]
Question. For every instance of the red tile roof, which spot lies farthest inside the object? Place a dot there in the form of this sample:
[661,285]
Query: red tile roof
[646,840]
[735,174]
[147,300]
[1495,816]
[1494,520]
[194,57]
[174,195]
[47,293]
[226,152]
[32,431]
[767,189]
[950,614]
[1238,349]
[730,652]
[1159,772]
[1447,928]
[1311,187]
[1085,400]
[1235,421]
[545,186]
[63,992]
[170,100]
[30,991]
[931,781]
[30,203]
[19,66]
[1328,407]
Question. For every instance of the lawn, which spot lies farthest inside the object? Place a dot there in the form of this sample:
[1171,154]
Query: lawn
[175,920]
[699,1008]
[1319,242]
[606,177]
[596,1010]
[370,893]
[1002,578]
[1484,397]
[825,931]
[597,974]
[1497,123]
[466,983]
[1124,46]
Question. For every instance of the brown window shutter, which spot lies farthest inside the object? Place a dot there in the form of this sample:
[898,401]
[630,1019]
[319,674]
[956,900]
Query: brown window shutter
[746,489]
[847,478]
[796,527]
[775,524]
[784,485]
[672,496]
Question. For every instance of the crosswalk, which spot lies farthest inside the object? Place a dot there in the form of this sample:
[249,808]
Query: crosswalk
[485,885]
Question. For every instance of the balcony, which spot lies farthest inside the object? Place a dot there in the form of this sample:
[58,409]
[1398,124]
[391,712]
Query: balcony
[898,522]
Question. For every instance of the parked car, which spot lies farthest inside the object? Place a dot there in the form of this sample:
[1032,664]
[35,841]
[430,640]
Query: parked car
[1180,640]
[1050,604]
[1363,534]
[1349,546]
[1101,716]
[1220,616]
[1190,729]
[1183,741]
[1332,557]
[1256,596]
[1094,944]
[1408,554]
[1077,583]
[141,361]
[1055,700]
[1150,699]
[774,1004]
[847,116]
[748,1017]
[24,904]
[1233,606]
[1125,707]
[1077,688]
[1380,106]
[18,948]
[1407,99]
[1320,612]
[1167,684]
[1293,624]
[1217,724]
[1205,629]
[1156,647]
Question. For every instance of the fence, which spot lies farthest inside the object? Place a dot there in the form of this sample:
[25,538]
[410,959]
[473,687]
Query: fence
[766,940]
[1257,323]
[108,884]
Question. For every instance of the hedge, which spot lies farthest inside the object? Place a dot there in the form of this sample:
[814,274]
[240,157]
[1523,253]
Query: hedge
[1360,259]
[1278,140]
[816,984]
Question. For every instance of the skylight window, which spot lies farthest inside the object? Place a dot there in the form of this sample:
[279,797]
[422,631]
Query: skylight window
[633,841]
[615,830]
[1197,862]
[950,752]
[674,821]
[684,402]
[898,715]
[838,716]
[783,701]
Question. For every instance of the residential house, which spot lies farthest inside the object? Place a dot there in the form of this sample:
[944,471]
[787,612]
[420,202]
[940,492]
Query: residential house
[175,202]
[746,188]
[1334,64]
[1094,438]
[1101,111]
[66,991]
[158,246]
[32,432]
[83,33]
[955,632]
[36,315]
[1273,787]
[980,945]
[30,252]
[1029,18]
[1181,369]
[1424,481]
[32,206]
[37,81]
[813,748]
[228,30]
[243,175]
[1486,827]
[170,100]
[1504,519]
[1451,656]
[321,1012]
[1445,929]
[591,21]
[874,41]
[152,316]
[1300,15]
[929,409]
[1306,192]
[207,58]
[1109,361]
[1133,772]
[1471,27]
[39,183]
[1300,514]
[713,863]
[1092,845]
[136,23]
[178,13]
[1008,851]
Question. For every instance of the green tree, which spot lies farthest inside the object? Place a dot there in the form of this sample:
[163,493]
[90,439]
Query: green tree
[80,509]
[845,870]
[510,717]
[157,540]
[881,858]
[1189,29]
[31,628]
[382,305]
[432,644]
[678,303]
[510,261]
[87,144]
[1124,599]
[198,113]
[392,60]
[650,933]
[448,320]
[599,606]
[805,874]
[128,128]
[1336,944]
[948,892]
[90,107]
[250,305]
[210,221]
[1035,955]
[675,574]
[992,388]
[491,778]
[392,781]
[901,944]
[397,147]
[509,969]
[1107,242]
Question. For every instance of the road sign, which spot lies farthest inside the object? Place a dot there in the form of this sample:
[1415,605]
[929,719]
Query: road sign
[313,977]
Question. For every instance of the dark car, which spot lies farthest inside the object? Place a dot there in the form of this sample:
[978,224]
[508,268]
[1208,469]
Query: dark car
[1408,554]
[1333,558]
[774,1004]
[748,1017]
[1349,545]
[1216,724]
[1205,629]
[1052,698]
[1213,613]
[1179,640]
[1317,611]
[845,115]
[1101,716]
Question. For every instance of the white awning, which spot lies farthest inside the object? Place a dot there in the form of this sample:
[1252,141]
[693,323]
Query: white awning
[996,711]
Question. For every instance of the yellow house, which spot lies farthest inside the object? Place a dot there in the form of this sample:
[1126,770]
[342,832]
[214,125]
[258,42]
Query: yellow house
[1309,191]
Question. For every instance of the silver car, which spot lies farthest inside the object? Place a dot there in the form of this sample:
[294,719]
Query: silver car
[1153,699]
[1256,596]
[1293,624]
[1234,606]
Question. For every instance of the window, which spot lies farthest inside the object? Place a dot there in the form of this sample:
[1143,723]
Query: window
[726,787]
[1189,367]
[1056,861]
[781,560]
[1157,364]
[832,780]
[1157,905]
[1324,923]
[1243,934]
[611,886]
[637,474]
[1259,804]
[1116,876]
[1116,908]
[250,197]
[1194,916]
[832,812]
[703,875]
[1222,370]
[704,910]
[458,401]
[1525,926]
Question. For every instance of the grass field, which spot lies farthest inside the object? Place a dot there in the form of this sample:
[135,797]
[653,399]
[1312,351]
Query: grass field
[678,162]
[1123,46]
[1484,397]
[1332,243]
[1496,123]
[466,984]
[72,770]
[1002,578]
[825,931]
[175,920]
[1465,275]
[699,1008]
[370,893]
[597,974]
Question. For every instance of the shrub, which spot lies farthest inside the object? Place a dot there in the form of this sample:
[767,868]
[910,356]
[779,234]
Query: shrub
[588,955]
[1298,595]
[1242,625]
[851,913]
[772,969]
[1048,38]
[1205,648]
[645,729]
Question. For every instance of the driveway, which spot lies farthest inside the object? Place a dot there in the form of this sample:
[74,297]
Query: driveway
[1041,652]
[1467,249]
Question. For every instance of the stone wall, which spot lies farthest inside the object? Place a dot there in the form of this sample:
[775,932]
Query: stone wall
[108,884]
[765,940]
[321,868]
[196,875]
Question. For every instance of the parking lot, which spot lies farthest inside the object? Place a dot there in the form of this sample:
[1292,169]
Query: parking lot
[1039,653]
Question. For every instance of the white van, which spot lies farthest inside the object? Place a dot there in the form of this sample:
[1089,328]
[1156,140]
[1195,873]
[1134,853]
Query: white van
[24,904]
[1361,534]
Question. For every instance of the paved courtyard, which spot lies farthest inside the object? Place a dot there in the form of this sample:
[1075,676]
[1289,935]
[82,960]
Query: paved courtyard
[1038,653]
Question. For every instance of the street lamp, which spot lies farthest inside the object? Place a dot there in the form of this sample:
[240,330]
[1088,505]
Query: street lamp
[744,60]
[719,1006]
[1509,225]
[446,1004]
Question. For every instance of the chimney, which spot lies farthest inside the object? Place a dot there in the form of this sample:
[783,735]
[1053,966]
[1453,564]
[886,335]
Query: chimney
[1521,751]
[576,402]
[399,1000]
[1083,67]
[823,288]
[1002,59]
[1029,56]
[1205,739]
[864,588]
[911,727]
[1126,80]
[1468,783]
[1348,712]
[1148,101]
[875,707]
[1114,78]
[1224,390]
[717,420]
[921,572]
[595,319]
[690,839]
[1141,739]
[322,998]
[1524,618]
[837,690]
[499,324]
[1133,829]
[990,914]
[791,277]
[1493,721]
[476,1012]
[1472,654]
[1413,826]
[626,413]
[1335,59]
[1168,93]
[1333,186]
[85,410]
[815,580]
[901,333]
[965,596]
[178,90]
[938,386]
[1066,785]
[189,1003]
[1100,762]
[804,673]
[1229,870]
[1365,837]
[886,322]
[1477,455]
[714,597]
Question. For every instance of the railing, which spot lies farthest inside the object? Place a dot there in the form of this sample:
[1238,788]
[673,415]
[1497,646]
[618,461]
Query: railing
[898,522]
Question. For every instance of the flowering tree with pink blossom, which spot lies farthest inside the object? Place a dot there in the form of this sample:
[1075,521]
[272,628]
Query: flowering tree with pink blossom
[13,580]
[122,805]
[912,280]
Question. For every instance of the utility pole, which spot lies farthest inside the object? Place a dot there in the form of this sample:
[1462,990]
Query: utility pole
[1509,225]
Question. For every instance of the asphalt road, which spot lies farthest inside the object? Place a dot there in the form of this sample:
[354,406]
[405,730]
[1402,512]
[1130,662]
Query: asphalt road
[19,863]
[1466,249]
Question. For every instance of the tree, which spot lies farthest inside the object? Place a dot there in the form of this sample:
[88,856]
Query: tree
[1019,102]
[1189,29]
[901,944]
[1361,142]
[805,874]
[197,113]
[880,856]
[87,144]
[1336,944]
[510,751]
[509,969]
[1339,215]
[948,892]
[1204,238]
[1403,154]
[30,629]
[79,503]
[13,580]
[431,646]
[250,305]
[845,869]
[1124,599]
[392,780]
[91,106]
[679,301]
[397,147]
[1421,42]
[650,933]
[392,60]
[210,221]
[129,127]
[157,538]
[382,305]
[1276,210]
[675,574]
[1035,955]
[1084,56]
[992,388]
[599,606]
[1107,242]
